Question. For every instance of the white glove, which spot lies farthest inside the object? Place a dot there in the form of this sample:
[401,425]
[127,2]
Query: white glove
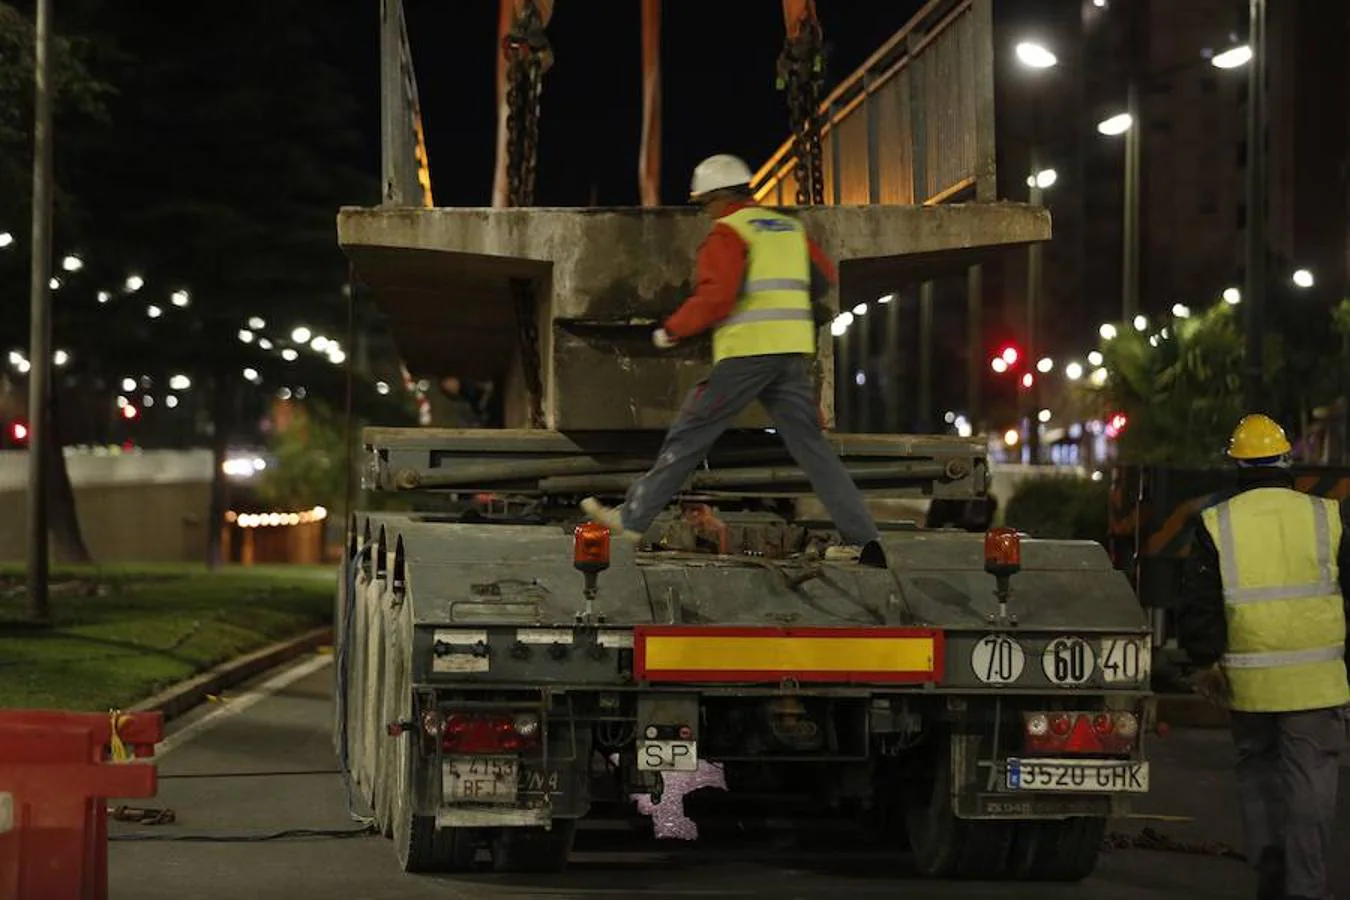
[661,340]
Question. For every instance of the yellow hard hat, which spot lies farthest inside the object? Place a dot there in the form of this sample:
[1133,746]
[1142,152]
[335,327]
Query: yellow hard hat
[1258,437]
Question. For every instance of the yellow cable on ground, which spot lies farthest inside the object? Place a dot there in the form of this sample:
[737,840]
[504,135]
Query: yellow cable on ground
[116,720]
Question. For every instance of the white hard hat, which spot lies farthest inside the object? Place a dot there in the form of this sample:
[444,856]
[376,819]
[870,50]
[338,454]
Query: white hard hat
[718,172]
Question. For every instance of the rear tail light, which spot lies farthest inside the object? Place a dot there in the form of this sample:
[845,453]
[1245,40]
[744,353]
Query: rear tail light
[1080,732]
[489,733]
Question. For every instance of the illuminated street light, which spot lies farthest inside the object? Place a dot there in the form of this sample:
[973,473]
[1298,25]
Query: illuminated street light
[1116,125]
[1011,437]
[264,344]
[153,311]
[1043,416]
[60,358]
[1232,296]
[55,283]
[1073,371]
[839,327]
[886,298]
[128,384]
[860,309]
[256,323]
[1107,331]
[1045,364]
[104,296]
[998,365]
[180,299]
[1043,179]
[337,357]
[171,401]
[1009,355]
[72,263]
[1181,310]
[1094,358]
[251,374]
[1140,323]
[319,344]
[289,354]
[1028,380]
[245,336]
[1098,377]
[301,335]
[1035,56]
[134,283]
[180,383]
[1303,278]
[1233,58]
[381,387]
[6,239]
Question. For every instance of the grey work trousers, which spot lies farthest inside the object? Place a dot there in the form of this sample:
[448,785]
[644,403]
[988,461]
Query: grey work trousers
[782,384]
[1287,770]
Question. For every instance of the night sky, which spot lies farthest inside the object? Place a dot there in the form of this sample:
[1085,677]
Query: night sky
[718,89]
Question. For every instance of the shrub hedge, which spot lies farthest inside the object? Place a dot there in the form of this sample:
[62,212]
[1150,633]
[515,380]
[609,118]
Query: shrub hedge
[1059,506]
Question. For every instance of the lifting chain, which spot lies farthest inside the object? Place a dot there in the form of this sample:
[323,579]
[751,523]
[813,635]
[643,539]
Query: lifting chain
[801,73]
[1149,839]
[528,57]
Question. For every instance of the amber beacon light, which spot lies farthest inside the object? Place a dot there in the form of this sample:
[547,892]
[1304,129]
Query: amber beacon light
[590,547]
[1002,551]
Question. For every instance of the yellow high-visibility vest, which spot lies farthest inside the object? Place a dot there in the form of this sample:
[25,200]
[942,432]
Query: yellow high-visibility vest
[773,313]
[1282,600]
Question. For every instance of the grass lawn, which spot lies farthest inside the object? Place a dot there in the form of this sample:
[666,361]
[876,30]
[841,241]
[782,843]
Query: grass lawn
[120,634]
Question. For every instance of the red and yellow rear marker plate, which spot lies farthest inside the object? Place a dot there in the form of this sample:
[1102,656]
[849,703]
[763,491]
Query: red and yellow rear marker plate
[717,654]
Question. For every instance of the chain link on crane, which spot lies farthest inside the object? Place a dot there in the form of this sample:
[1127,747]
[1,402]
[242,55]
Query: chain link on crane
[801,74]
[528,57]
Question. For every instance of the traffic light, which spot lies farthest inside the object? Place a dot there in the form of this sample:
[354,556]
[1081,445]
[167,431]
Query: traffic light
[1116,424]
[1009,355]
[18,431]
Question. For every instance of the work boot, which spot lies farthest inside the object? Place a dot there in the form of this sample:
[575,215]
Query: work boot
[610,517]
[869,554]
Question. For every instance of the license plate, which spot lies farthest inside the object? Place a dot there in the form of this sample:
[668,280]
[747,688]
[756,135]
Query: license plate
[668,756]
[1106,775]
[480,779]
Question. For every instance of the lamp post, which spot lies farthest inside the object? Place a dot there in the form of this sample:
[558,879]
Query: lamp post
[40,312]
[1255,251]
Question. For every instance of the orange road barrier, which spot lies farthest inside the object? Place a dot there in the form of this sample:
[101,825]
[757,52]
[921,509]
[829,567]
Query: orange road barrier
[56,771]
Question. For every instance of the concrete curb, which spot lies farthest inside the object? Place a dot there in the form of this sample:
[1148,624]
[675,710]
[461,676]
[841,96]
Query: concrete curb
[1190,711]
[180,698]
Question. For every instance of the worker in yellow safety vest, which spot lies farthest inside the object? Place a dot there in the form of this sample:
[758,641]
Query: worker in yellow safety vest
[1262,612]
[760,280]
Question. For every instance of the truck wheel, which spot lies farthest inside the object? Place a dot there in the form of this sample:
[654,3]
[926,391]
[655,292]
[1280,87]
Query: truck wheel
[1063,850]
[424,848]
[534,849]
[947,847]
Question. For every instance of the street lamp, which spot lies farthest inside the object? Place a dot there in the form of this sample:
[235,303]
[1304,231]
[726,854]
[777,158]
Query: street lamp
[1107,331]
[6,239]
[1232,296]
[1181,310]
[1303,278]
[1073,371]
[1116,125]
[1233,58]
[1035,56]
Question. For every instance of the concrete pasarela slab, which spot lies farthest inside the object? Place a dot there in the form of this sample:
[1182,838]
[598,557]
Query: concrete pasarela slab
[602,279]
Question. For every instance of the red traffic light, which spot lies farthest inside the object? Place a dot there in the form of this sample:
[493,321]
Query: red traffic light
[18,432]
[1009,355]
[1116,424]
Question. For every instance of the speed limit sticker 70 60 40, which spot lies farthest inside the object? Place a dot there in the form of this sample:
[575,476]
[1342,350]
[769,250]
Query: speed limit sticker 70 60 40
[1126,660]
[1068,661]
[998,659]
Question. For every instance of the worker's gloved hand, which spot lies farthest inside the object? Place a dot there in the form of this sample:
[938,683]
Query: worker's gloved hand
[661,340]
[1212,684]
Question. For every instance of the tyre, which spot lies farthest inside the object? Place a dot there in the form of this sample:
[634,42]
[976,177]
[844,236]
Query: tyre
[420,846]
[534,849]
[1063,850]
[945,846]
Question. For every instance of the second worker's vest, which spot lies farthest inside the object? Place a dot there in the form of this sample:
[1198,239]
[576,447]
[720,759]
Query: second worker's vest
[1282,600]
[773,313]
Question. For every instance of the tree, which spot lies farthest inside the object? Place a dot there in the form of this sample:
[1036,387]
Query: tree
[233,145]
[1180,386]
[310,461]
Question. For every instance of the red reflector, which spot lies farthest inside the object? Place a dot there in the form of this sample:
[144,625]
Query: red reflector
[483,734]
[1101,723]
[1080,732]
[1059,724]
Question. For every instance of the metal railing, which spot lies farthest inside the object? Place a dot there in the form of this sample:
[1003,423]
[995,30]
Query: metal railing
[914,124]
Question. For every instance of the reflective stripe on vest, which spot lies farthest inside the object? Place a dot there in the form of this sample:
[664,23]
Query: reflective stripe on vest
[1282,602]
[773,313]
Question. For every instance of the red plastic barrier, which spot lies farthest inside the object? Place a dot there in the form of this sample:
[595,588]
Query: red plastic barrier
[58,769]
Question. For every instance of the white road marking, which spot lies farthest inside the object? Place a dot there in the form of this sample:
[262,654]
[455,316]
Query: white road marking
[241,702]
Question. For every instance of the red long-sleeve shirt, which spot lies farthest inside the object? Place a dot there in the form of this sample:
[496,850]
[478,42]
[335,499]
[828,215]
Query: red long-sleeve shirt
[720,271]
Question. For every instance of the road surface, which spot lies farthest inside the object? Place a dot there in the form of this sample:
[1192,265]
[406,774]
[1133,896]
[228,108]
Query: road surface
[262,761]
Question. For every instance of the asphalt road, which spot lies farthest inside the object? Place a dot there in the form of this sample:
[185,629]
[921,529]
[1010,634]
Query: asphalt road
[262,762]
